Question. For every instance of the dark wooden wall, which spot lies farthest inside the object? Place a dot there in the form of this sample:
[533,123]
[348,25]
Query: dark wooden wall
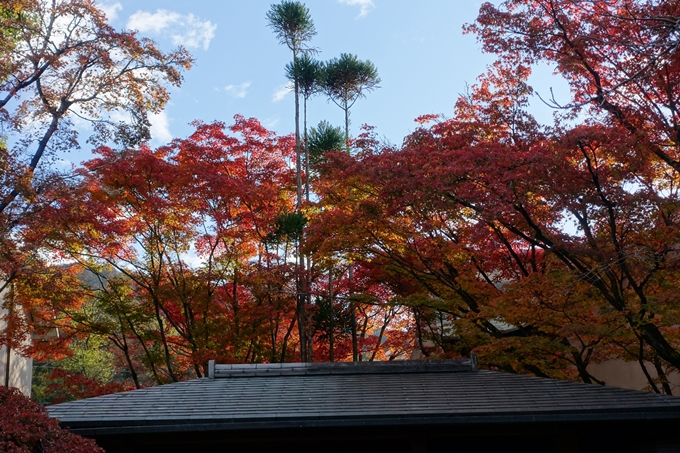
[592,437]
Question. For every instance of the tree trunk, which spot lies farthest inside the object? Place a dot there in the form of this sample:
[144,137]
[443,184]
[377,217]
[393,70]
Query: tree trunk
[300,280]
[7,365]
[353,309]
[306,149]
[663,379]
[346,109]
[298,160]
[302,325]
[284,346]
[35,160]
[308,282]
[353,314]
[128,360]
[331,323]
[641,361]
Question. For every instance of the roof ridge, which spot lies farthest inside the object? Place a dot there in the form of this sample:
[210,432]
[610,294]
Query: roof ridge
[326,368]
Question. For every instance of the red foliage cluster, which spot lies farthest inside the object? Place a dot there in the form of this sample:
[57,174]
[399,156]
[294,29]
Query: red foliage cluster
[67,385]
[26,428]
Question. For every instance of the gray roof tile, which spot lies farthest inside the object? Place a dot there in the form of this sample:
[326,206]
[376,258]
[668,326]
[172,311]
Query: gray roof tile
[342,395]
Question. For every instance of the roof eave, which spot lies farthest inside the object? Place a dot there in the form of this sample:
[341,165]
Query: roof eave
[113,427]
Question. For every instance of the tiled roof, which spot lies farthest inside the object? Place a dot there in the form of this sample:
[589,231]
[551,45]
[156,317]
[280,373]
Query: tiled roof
[306,395]
[315,369]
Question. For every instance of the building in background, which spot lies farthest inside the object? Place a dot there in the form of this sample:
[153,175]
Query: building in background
[15,370]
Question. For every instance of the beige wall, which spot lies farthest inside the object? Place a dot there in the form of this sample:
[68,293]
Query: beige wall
[614,373]
[629,375]
[20,371]
[20,368]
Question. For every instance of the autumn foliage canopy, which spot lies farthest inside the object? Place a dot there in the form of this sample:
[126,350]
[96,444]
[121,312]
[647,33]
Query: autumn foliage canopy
[543,249]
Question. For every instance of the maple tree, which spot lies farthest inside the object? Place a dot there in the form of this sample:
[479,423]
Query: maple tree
[60,61]
[353,315]
[12,13]
[135,221]
[467,222]
[137,218]
[616,57]
[65,62]
[25,427]
[66,386]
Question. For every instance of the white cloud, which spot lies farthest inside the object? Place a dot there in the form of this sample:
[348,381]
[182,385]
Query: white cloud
[271,122]
[153,22]
[281,92]
[186,30]
[160,128]
[79,119]
[65,163]
[238,91]
[193,258]
[365,5]
[111,10]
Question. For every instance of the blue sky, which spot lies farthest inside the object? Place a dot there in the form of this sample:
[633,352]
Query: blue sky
[422,57]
